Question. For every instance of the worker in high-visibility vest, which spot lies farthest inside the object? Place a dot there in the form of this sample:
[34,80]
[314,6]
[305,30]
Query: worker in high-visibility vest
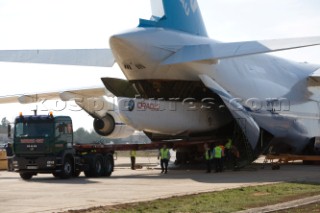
[218,154]
[228,146]
[133,159]
[164,155]
[208,157]
[229,143]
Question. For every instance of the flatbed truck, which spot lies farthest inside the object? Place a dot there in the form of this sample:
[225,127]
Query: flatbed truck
[44,144]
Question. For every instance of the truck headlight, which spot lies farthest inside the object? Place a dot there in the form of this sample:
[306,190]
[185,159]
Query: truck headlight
[50,163]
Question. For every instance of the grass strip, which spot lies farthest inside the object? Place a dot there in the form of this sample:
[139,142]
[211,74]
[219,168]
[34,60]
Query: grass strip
[230,200]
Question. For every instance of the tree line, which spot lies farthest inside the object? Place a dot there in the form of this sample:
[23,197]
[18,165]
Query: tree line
[81,135]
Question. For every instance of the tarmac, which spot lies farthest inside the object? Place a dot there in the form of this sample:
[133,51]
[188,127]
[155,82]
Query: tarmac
[44,193]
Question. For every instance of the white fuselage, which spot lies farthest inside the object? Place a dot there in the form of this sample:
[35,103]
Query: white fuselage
[275,91]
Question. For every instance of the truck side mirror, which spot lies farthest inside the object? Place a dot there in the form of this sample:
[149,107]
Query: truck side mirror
[9,131]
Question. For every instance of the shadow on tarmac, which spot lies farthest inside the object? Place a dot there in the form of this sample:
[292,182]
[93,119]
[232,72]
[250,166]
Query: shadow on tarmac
[249,174]
[50,179]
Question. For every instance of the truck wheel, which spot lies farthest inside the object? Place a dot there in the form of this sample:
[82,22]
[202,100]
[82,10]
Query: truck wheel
[26,176]
[95,166]
[108,165]
[67,169]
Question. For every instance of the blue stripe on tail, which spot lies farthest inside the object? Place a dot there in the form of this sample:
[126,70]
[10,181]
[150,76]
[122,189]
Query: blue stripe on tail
[181,15]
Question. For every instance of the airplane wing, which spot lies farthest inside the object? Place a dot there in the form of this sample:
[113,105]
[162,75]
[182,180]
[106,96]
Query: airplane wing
[81,57]
[67,95]
[203,52]
[241,115]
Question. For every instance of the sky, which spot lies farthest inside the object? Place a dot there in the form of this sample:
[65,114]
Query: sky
[79,24]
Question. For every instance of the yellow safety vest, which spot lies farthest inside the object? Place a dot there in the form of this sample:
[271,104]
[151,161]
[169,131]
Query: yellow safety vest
[229,144]
[164,153]
[217,152]
[207,155]
[133,153]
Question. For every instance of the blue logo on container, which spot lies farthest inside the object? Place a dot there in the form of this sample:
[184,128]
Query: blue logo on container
[131,105]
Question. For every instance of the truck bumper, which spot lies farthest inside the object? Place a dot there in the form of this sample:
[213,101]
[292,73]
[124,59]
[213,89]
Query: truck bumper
[36,164]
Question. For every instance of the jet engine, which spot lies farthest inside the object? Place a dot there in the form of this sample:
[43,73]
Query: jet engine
[106,115]
[111,126]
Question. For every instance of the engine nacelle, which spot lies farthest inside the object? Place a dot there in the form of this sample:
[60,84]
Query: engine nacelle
[112,127]
[172,118]
[105,112]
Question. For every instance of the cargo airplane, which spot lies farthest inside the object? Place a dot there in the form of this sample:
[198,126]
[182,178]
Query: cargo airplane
[180,84]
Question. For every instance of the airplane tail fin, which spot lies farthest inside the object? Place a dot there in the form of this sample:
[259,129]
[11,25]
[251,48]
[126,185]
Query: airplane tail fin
[181,15]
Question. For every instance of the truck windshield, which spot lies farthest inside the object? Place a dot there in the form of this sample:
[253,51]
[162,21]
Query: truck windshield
[34,129]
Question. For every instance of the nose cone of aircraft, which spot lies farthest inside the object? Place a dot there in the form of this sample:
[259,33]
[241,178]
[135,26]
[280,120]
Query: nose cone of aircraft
[127,43]
[129,52]
[117,42]
[133,54]
[140,45]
